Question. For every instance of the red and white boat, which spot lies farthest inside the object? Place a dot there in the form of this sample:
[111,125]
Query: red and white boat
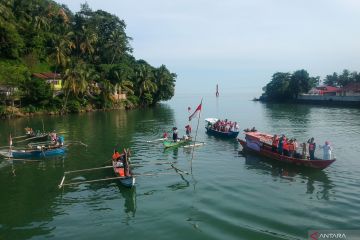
[260,143]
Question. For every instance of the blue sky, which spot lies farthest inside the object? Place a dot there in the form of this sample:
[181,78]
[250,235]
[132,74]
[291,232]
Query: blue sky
[239,44]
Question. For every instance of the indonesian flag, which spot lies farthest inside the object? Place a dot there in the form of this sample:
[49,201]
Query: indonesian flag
[198,109]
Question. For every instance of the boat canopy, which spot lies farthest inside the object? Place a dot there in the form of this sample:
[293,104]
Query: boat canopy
[211,120]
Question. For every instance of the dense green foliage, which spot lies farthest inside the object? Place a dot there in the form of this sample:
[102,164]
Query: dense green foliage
[286,86]
[90,50]
[341,80]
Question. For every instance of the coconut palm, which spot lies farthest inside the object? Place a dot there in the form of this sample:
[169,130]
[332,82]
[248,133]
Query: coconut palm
[144,78]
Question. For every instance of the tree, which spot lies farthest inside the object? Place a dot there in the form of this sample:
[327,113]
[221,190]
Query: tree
[331,80]
[165,82]
[278,88]
[144,81]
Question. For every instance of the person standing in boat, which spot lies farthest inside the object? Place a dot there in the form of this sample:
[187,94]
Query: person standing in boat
[326,150]
[188,130]
[285,147]
[312,147]
[304,151]
[280,145]
[275,143]
[175,134]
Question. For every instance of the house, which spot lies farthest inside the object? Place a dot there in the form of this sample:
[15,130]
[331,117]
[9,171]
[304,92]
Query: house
[54,79]
[117,94]
[352,89]
[325,91]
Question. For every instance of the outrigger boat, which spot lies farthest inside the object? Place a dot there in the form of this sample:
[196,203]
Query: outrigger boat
[122,173]
[211,131]
[34,152]
[260,143]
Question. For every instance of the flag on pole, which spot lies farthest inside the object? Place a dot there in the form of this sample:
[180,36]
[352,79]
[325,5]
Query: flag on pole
[198,109]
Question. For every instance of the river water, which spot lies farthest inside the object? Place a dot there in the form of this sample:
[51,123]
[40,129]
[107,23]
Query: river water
[229,195]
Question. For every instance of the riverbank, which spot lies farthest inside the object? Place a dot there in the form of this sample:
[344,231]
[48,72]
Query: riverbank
[8,112]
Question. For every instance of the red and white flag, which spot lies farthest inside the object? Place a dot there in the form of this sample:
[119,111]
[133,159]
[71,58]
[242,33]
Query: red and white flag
[198,109]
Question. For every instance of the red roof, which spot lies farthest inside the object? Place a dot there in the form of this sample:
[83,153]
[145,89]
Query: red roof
[47,75]
[327,89]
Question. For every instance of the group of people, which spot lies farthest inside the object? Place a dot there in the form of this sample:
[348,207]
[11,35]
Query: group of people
[175,133]
[121,161]
[225,126]
[289,148]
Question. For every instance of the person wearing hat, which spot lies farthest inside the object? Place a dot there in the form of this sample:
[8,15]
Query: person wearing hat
[326,150]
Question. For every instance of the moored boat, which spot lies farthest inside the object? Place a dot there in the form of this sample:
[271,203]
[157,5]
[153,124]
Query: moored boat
[38,152]
[260,143]
[212,130]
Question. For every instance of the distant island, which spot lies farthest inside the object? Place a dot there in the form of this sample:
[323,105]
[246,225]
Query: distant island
[300,87]
[55,61]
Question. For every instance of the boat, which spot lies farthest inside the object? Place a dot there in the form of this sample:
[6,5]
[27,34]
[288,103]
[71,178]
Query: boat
[35,152]
[211,131]
[178,143]
[260,143]
[120,172]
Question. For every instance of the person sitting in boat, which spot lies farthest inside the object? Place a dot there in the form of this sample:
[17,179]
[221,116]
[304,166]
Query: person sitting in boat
[175,134]
[60,141]
[29,131]
[165,135]
[188,130]
[118,158]
[312,147]
[275,143]
[53,136]
[326,150]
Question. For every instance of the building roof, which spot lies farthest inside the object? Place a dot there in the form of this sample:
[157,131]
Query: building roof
[327,89]
[47,75]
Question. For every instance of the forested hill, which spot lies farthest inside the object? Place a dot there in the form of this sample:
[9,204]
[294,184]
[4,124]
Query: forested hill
[89,49]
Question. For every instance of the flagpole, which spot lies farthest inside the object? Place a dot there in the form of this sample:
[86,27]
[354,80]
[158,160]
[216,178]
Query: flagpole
[197,127]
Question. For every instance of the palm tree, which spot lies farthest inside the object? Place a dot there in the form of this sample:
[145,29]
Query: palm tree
[117,44]
[124,85]
[144,78]
[75,81]
[63,47]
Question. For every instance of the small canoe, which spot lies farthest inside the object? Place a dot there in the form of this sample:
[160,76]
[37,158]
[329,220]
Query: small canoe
[127,181]
[170,144]
[266,152]
[37,153]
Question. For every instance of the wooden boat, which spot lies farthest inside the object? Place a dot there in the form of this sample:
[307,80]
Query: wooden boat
[216,133]
[260,143]
[38,152]
[170,144]
[127,180]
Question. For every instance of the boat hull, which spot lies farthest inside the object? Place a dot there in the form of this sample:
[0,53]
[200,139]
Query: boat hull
[317,164]
[170,144]
[126,181]
[215,133]
[37,153]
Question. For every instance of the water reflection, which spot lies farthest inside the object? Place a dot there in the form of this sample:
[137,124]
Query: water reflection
[317,182]
[287,116]
[129,195]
